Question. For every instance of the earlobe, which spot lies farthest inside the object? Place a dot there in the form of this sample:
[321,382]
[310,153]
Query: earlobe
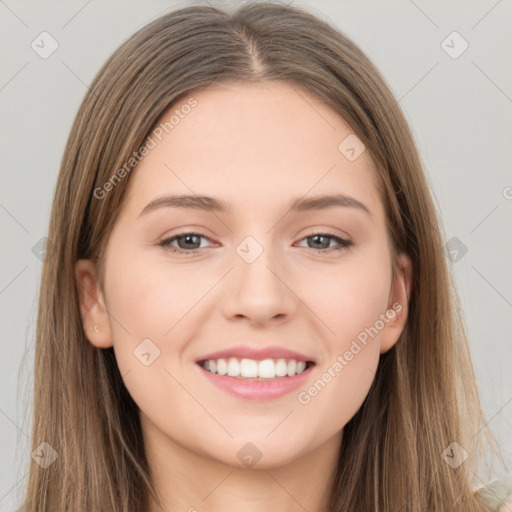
[95,318]
[398,307]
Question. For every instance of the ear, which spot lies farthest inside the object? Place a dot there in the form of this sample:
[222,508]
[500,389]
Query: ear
[95,316]
[398,304]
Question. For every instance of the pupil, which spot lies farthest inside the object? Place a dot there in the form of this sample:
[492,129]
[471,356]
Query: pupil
[188,238]
[316,237]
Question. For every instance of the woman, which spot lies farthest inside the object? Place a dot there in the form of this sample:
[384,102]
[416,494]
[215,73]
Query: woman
[309,352]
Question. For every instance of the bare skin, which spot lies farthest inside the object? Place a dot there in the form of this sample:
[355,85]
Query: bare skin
[255,147]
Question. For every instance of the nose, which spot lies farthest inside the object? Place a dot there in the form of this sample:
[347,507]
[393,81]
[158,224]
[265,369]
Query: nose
[260,291]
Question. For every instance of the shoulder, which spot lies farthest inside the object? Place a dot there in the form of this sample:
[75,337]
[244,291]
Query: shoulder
[498,494]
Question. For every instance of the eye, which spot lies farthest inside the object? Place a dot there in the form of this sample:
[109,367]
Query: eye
[186,240]
[318,237]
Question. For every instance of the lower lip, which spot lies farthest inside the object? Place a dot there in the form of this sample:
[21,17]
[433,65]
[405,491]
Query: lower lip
[257,389]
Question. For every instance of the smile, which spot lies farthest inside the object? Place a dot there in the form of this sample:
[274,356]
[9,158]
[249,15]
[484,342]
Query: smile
[256,380]
[254,369]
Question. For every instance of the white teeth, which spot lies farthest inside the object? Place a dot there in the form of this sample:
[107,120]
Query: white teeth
[266,369]
[292,367]
[233,367]
[250,368]
[222,367]
[281,369]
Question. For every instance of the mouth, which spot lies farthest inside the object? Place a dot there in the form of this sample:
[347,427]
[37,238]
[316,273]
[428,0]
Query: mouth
[256,369]
[258,380]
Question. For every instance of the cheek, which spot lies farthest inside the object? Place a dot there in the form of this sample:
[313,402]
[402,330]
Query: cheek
[148,307]
[348,300]
[142,305]
[350,303]
[339,389]
[149,299]
[152,305]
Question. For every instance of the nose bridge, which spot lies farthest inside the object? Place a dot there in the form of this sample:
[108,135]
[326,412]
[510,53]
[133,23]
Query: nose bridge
[257,258]
[257,283]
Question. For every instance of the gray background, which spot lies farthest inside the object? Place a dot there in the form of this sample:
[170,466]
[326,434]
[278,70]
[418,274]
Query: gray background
[459,109]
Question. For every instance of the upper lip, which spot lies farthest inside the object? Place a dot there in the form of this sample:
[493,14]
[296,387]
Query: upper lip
[246,352]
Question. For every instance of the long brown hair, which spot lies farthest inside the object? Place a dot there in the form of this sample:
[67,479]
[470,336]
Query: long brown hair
[424,396]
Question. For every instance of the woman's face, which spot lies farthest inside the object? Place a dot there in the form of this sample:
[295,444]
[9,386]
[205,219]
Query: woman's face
[259,275]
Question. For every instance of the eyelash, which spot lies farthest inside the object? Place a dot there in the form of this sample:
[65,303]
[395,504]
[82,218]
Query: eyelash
[343,243]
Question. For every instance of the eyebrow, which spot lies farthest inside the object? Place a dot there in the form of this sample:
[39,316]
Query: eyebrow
[212,204]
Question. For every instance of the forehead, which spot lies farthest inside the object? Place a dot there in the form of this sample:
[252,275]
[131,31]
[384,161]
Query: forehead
[251,142]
